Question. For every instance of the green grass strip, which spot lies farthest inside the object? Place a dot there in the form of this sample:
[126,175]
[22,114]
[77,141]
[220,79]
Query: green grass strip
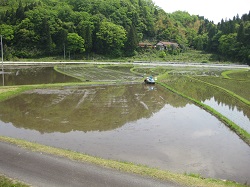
[226,73]
[7,182]
[182,179]
[10,91]
[247,102]
[56,68]
[243,134]
[7,92]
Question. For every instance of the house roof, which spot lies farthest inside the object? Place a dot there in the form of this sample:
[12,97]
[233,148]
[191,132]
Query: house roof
[161,43]
[145,44]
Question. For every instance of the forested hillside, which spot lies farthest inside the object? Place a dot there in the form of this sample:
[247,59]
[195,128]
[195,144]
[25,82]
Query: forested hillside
[230,38]
[32,28]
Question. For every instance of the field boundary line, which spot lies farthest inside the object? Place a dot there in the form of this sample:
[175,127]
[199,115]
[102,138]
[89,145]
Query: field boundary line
[245,101]
[243,134]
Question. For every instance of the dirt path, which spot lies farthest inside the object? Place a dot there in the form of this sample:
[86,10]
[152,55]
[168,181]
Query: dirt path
[175,64]
[40,169]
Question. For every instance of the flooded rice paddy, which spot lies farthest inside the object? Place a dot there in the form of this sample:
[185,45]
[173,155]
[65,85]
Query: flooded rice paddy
[226,104]
[135,123]
[25,75]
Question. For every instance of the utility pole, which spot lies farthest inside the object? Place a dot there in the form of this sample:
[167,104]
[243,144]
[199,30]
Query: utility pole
[2,58]
[64,51]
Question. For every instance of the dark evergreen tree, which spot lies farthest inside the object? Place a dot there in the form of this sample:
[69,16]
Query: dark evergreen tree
[211,33]
[60,39]
[244,17]
[20,12]
[88,38]
[132,41]
[241,33]
[46,40]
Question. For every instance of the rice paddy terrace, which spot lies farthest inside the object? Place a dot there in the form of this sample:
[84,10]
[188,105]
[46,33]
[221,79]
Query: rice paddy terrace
[194,120]
[100,73]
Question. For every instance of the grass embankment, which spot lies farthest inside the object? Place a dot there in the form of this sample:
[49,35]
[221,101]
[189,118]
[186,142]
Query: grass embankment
[109,73]
[226,74]
[144,55]
[247,102]
[56,68]
[182,179]
[7,92]
[6,182]
[187,56]
[10,91]
[243,134]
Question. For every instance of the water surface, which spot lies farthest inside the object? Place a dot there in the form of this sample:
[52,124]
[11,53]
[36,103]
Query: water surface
[226,104]
[25,75]
[135,123]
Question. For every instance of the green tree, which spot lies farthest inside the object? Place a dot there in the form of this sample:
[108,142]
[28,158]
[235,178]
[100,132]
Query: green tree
[199,42]
[132,42]
[211,33]
[25,36]
[112,37]
[45,38]
[7,31]
[85,30]
[20,12]
[75,43]
[228,45]
[241,33]
[60,39]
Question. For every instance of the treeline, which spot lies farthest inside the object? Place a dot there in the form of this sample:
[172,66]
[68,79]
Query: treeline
[48,27]
[34,28]
[108,27]
[230,39]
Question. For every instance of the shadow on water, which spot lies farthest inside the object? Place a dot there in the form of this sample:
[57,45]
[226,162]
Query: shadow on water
[85,109]
[33,75]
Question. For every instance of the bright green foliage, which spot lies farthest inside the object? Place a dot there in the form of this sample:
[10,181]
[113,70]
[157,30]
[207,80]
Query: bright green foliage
[7,31]
[112,37]
[228,44]
[40,27]
[75,43]
[229,39]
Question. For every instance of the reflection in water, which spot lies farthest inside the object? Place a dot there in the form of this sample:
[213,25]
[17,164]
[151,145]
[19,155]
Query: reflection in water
[84,108]
[2,76]
[33,75]
[230,107]
[130,123]
[2,68]
[233,113]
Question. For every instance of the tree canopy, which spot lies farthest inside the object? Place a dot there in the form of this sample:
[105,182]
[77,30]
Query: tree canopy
[114,27]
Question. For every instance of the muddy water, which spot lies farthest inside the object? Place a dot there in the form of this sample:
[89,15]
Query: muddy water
[137,123]
[33,75]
